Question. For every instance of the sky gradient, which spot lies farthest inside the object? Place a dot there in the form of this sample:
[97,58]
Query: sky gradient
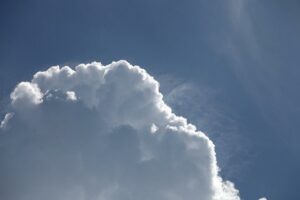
[231,68]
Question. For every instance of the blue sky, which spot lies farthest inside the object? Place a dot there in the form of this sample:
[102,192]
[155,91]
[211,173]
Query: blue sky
[230,67]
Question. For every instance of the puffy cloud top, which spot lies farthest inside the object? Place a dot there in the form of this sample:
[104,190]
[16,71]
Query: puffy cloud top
[103,132]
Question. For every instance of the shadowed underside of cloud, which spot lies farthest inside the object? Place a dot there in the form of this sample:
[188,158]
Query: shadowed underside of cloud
[103,133]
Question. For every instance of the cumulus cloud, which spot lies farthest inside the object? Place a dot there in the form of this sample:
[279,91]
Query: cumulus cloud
[103,132]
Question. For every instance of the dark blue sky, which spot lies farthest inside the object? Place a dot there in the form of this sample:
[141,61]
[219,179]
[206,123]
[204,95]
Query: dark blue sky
[230,67]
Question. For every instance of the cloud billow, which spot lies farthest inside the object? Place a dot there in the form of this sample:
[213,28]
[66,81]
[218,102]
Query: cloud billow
[103,133]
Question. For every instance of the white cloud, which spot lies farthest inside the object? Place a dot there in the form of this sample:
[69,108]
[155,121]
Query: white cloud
[71,96]
[4,122]
[263,198]
[26,94]
[103,132]
[153,128]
